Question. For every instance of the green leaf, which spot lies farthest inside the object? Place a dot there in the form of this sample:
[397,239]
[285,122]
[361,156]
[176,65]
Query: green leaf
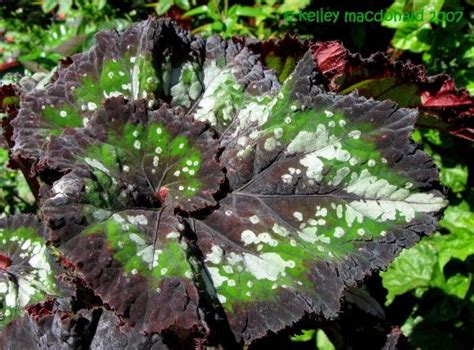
[414,34]
[455,178]
[458,285]
[183,4]
[459,243]
[99,4]
[415,39]
[413,268]
[15,194]
[306,335]
[469,54]
[65,6]
[49,5]
[422,267]
[293,6]
[163,5]
[199,10]
[248,11]
[323,342]
[422,8]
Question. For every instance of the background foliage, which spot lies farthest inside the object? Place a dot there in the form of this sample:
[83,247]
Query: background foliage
[428,290]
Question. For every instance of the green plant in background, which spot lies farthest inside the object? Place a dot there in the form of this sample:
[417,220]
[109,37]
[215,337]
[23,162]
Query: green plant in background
[444,38]
[161,7]
[439,270]
[36,35]
[316,336]
[260,19]
[15,195]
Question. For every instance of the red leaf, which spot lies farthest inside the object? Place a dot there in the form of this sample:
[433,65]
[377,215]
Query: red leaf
[5,262]
[441,104]
[330,57]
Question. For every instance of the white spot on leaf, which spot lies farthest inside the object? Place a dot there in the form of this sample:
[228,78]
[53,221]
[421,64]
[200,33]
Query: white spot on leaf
[329,114]
[339,232]
[254,219]
[266,266]
[298,215]
[91,106]
[215,256]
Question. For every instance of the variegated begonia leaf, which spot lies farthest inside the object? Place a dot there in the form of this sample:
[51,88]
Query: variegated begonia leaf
[324,189]
[154,60]
[132,168]
[133,259]
[231,198]
[142,158]
[231,74]
[26,275]
[143,62]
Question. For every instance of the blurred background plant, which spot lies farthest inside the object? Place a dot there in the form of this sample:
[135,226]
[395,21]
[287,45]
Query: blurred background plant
[15,195]
[427,291]
[259,19]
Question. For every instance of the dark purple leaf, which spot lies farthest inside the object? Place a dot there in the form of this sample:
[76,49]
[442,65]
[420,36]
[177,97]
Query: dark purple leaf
[323,191]
[139,63]
[161,156]
[59,328]
[133,259]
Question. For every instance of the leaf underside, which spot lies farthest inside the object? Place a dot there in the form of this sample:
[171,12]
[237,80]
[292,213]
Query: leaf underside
[213,187]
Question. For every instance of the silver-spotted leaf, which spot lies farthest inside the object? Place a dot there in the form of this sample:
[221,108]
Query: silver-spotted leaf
[154,60]
[144,158]
[26,275]
[140,63]
[133,258]
[324,189]
[231,72]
